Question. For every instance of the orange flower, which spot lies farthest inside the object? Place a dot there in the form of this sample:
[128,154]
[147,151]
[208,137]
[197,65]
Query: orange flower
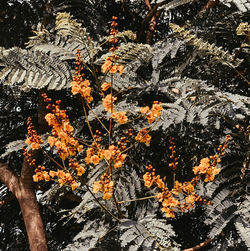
[97,186]
[52,173]
[120,117]
[148,180]
[150,117]
[211,172]
[108,190]
[143,136]
[144,110]
[35,177]
[177,188]
[156,109]
[104,184]
[107,65]
[202,168]
[108,102]
[80,170]
[169,212]
[79,84]
[170,202]
[46,176]
[153,113]
[76,166]
[34,140]
[159,182]
[119,160]
[105,86]
[191,199]
[188,187]
[62,131]
[94,159]
[74,185]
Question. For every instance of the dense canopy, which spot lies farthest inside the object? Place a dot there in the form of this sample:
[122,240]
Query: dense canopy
[153,114]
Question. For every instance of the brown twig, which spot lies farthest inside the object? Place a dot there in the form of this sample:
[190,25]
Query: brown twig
[147,20]
[203,244]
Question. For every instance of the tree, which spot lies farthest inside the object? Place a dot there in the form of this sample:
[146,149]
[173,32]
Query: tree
[189,105]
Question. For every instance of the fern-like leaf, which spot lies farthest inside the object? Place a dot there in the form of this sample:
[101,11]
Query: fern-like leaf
[174,4]
[76,35]
[33,70]
[148,233]
[217,53]
[129,52]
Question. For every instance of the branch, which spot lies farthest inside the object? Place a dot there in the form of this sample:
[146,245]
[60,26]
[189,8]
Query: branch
[199,246]
[204,243]
[9,178]
[147,20]
[148,4]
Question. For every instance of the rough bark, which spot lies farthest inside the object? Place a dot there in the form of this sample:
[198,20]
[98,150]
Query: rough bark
[23,189]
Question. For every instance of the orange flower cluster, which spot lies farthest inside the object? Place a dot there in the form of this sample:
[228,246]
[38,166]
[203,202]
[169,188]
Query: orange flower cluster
[122,144]
[208,166]
[153,113]
[114,154]
[41,174]
[150,178]
[105,185]
[95,151]
[28,157]
[95,154]
[169,203]
[79,84]
[221,148]
[172,148]
[120,117]
[76,166]
[113,33]
[109,65]
[105,86]
[64,178]
[143,136]
[108,103]
[62,131]
[34,140]
[166,197]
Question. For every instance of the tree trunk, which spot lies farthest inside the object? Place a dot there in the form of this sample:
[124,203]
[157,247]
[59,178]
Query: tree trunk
[23,188]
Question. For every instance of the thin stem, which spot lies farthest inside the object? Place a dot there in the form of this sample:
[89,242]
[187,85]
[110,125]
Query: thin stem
[52,159]
[243,77]
[86,117]
[240,49]
[144,198]
[203,244]
[110,121]
[150,129]
[104,208]
[97,118]
[117,206]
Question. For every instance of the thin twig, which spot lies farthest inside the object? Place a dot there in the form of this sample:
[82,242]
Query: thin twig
[104,208]
[97,118]
[144,198]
